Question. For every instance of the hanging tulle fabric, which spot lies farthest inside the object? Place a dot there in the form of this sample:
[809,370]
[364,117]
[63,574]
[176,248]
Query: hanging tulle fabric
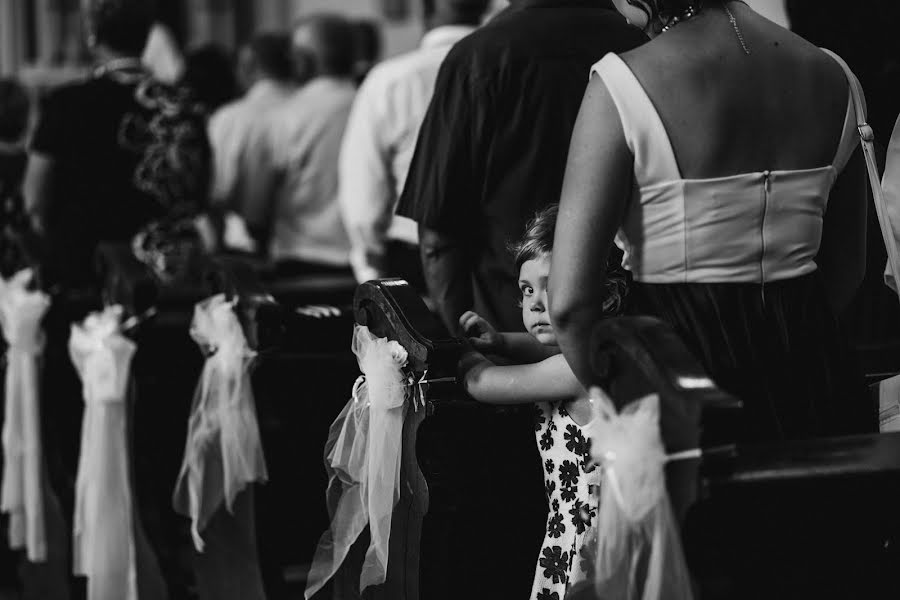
[21,492]
[638,549]
[362,457]
[103,535]
[223,453]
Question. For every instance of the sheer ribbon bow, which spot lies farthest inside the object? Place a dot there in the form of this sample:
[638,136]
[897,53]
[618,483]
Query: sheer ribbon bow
[223,453]
[21,492]
[103,536]
[363,462]
[638,551]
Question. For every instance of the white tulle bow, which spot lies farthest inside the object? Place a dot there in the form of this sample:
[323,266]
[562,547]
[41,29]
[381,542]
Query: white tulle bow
[103,536]
[223,453]
[363,462]
[21,492]
[638,553]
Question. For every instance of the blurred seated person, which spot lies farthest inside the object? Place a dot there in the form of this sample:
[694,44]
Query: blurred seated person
[15,109]
[14,113]
[114,155]
[381,137]
[209,74]
[294,212]
[237,130]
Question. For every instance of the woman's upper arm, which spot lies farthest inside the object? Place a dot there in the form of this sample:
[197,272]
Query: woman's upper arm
[595,191]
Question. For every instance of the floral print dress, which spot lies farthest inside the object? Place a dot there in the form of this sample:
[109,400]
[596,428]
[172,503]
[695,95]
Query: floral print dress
[569,480]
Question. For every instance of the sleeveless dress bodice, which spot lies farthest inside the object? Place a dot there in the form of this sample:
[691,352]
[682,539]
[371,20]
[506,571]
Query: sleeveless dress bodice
[753,227]
[729,264]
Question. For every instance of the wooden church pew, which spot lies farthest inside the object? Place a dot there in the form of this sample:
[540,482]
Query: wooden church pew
[814,518]
[300,380]
[51,579]
[166,368]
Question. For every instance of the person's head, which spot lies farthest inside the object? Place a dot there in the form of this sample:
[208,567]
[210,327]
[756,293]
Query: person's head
[324,44]
[532,257]
[266,56]
[15,109]
[209,75]
[119,26]
[368,47]
[653,15]
[454,12]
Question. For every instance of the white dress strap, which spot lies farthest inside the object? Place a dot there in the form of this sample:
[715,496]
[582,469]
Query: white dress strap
[645,134]
[849,135]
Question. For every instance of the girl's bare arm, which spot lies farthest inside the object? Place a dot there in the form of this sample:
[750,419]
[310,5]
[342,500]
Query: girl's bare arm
[546,381]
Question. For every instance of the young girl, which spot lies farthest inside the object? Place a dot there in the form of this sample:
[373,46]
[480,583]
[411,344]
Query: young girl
[541,375]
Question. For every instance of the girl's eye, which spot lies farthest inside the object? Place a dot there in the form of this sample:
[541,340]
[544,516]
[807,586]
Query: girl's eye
[527,290]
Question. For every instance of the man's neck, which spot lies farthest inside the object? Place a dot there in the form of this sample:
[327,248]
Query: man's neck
[440,19]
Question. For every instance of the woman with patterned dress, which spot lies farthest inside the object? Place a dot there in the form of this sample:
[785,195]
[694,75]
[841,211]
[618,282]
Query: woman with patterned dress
[544,377]
[115,154]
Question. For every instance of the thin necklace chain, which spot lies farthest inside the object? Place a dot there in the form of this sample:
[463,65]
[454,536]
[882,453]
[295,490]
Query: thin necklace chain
[691,12]
[737,30]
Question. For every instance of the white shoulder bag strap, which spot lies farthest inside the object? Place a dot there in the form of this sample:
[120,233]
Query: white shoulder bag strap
[867,137]
[890,188]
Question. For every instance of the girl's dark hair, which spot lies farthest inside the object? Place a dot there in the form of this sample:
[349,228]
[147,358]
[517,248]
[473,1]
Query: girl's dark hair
[538,238]
[538,241]
[14,110]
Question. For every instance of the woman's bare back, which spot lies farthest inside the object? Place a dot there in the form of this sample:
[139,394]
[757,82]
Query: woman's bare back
[782,107]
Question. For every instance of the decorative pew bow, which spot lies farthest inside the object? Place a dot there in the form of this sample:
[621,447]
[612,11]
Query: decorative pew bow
[362,457]
[21,492]
[223,452]
[104,546]
[639,554]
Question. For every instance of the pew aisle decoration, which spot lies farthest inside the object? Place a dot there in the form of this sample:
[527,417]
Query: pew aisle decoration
[223,453]
[103,537]
[21,492]
[638,549]
[363,461]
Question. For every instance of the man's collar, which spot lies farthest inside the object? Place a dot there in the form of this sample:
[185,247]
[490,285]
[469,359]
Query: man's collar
[445,35]
[267,86]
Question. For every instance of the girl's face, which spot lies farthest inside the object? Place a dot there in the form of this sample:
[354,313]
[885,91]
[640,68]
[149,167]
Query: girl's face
[533,278]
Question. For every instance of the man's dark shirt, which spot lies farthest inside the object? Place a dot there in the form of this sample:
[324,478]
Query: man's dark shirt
[492,149]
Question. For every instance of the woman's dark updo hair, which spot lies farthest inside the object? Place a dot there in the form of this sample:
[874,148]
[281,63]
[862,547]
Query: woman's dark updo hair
[662,11]
[123,25]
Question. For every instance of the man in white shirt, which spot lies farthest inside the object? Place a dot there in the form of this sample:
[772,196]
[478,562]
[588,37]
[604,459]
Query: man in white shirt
[238,130]
[300,220]
[381,136]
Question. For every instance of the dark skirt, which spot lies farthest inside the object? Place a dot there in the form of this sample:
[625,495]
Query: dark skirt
[777,347]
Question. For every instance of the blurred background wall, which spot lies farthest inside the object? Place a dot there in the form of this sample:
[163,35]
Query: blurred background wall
[44,38]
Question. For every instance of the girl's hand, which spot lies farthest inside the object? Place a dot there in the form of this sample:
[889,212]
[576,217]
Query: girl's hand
[481,334]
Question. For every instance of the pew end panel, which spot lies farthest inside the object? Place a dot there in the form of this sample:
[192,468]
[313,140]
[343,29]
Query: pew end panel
[165,370]
[455,474]
[392,309]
